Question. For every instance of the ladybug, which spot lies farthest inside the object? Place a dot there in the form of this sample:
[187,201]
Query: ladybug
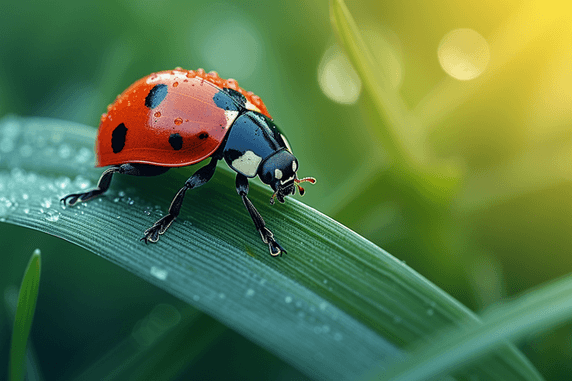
[182,117]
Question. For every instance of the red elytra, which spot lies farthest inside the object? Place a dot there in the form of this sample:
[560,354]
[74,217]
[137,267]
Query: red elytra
[188,110]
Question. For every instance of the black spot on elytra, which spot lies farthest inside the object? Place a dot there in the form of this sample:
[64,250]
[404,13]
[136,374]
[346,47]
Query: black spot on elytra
[118,138]
[203,135]
[176,141]
[241,99]
[224,101]
[156,96]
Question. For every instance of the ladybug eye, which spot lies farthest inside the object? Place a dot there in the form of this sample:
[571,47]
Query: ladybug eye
[277,174]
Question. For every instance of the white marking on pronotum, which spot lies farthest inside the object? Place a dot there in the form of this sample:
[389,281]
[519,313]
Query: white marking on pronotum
[277,174]
[251,107]
[294,166]
[230,117]
[247,164]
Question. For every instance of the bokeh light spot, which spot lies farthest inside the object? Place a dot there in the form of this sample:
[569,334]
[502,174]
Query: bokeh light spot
[464,54]
[337,78]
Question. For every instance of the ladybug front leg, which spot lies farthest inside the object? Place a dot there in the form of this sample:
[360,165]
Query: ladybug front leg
[267,236]
[200,177]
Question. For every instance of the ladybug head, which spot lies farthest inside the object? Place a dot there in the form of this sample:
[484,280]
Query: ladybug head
[279,171]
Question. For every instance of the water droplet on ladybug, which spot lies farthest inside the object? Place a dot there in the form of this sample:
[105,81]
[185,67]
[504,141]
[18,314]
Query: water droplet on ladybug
[175,84]
[178,121]
[157,114]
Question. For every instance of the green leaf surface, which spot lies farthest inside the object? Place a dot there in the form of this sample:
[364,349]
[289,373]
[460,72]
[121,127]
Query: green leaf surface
[535,311]
[24,316]
[334,307]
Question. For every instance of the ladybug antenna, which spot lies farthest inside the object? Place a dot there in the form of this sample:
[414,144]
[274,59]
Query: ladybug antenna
[304,180]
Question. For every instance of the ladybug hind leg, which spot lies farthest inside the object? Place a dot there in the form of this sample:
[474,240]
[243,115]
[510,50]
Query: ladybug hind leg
[267,237]
[102,187]
[105,180]
[200,177]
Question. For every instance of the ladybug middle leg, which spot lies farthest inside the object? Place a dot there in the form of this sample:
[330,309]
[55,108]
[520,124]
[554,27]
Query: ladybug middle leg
[267,236]
[200,177]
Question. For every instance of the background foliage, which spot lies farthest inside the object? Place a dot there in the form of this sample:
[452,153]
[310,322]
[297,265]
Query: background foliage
[490,216]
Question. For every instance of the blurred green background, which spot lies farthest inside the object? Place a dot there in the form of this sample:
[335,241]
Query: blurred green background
[484,213]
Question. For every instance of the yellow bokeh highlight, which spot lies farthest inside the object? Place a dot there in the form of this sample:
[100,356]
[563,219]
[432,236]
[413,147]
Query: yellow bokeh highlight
[464,54]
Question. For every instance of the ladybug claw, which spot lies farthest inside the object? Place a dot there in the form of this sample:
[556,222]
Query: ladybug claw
[71,199]
[160,227]
[275,248]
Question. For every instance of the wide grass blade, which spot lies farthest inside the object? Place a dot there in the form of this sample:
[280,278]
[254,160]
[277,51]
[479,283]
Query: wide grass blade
[536,311]
[334,306]
[24,316]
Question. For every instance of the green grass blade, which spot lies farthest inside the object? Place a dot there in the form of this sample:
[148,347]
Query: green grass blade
[388,104]
[24,317]
[334,306]
[534,312]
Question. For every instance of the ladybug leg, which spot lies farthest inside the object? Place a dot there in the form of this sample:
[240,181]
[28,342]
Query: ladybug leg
[267,236]
[200,177]
[107,175]
[102,186]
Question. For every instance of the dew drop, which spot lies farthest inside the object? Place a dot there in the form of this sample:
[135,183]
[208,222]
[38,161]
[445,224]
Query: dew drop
[159,273]
[52,216]
[46,203]
[175,84]
[288,299]
[250,293]
[5,206]
[157,114]
[83,156]
[222,295]
[430,312]
[178,121]
[338,336]
[64,151]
